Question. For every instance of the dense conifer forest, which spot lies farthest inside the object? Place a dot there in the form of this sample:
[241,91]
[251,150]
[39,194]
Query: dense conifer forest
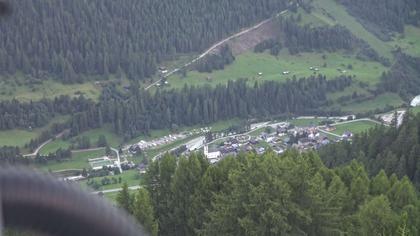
[291,194]
[70,40]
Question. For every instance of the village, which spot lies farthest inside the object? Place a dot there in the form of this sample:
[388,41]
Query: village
[302,134]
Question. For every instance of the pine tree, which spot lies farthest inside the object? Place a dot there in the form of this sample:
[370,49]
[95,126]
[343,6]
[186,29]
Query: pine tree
[124,199]
[143,211]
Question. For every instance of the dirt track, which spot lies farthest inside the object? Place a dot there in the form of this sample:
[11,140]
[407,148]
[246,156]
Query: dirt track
[261,31]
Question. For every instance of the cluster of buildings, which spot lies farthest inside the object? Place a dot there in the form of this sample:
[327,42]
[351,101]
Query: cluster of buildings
[168,139]
[281,137]
[144,145]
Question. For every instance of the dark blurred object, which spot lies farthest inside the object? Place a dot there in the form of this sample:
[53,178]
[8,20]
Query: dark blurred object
[36,202]
[5,8]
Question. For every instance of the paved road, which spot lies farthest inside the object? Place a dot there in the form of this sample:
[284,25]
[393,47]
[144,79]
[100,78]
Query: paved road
[118,159]
[117,189]
[87,150]
[208,51]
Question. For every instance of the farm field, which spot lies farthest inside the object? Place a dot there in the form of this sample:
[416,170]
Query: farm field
[249,64]
[78,161]
[354,127]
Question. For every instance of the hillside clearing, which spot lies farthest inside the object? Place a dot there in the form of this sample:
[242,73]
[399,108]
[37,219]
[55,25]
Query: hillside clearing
[338,13]
[249,64]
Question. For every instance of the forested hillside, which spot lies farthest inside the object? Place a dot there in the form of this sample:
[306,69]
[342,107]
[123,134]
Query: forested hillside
[385,16]
[69,40]
[292,194]
[138,112]
[395,150]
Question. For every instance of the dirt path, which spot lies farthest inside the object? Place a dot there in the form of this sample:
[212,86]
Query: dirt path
[215,46]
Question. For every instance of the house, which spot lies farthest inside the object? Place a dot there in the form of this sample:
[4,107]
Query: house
[347,135]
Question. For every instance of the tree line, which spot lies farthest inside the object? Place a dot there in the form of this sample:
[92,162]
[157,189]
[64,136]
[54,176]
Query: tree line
[142,111]
[291,194]
[403,77]
[307,38]
[74,40]
[216,61]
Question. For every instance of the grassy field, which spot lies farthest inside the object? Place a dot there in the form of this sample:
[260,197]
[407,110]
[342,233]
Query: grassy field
[78,161]
[131,177]
[113,140]
[380,102]
[20,137]
[336,12]
[16,137]
[17,88]
[306,122]
[248,65]
[355,127]
[314,19]
[409,42]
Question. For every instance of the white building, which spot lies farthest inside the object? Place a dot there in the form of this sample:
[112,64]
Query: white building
[415,102]
[212,157]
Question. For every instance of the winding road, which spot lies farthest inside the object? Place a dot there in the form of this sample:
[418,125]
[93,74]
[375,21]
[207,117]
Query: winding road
[208,51]
[43,144]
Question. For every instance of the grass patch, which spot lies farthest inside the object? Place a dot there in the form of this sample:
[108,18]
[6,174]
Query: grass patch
[16,87]
[16,137]
[306,122]
[20,137]
[78,161]
[53,146]
[131,177]
[113,140]
[380,102]
[355,127]
[409,42]
[313,19]
[249,64]
[336,12]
